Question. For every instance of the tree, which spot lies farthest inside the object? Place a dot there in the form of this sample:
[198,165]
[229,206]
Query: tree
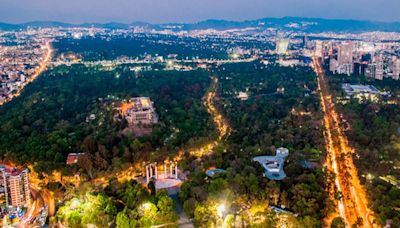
[165,205]
[86,163]
[338,222]
[152,187]
[201,214]
[122,220]
[148,213]
[189,207]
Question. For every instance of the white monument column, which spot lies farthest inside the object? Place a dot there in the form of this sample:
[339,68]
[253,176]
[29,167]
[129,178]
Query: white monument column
[176,171]
[151,170]
[170,169]
[165,170]
[147,173]
[155,169]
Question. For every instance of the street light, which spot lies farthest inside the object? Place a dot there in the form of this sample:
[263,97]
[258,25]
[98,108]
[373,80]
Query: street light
[170,63]
[146,206]
[75,203]
[221,210]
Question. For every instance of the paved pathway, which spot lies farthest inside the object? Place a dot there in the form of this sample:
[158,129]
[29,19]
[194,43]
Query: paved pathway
[184,221]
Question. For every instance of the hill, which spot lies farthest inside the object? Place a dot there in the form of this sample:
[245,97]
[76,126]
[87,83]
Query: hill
[285,23]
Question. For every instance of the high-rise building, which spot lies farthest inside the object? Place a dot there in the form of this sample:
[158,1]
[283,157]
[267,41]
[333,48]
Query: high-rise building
[357,68]
[364,66]
[14,190]
[345,53]
[345,69]
[366,57]
[379,69]
[370,71]
[396,69]
[333,65]
[318,48]
[305,41]
[282,46]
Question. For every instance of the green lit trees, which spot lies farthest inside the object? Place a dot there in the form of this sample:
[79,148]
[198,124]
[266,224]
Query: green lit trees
[138,209]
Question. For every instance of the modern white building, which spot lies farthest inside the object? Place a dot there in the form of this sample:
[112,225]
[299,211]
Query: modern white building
[273,165]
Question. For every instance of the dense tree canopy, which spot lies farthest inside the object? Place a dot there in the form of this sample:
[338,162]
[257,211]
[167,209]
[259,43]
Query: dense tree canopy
[49,119]
[270,118]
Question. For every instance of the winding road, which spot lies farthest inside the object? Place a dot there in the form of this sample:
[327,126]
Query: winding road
[219,120]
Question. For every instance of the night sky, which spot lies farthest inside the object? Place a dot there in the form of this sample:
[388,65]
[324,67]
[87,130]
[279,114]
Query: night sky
[164,11]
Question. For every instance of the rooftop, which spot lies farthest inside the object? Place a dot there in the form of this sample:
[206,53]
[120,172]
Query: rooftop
[137,104]
[73,158]
[213,172]
[12,171]
[351,89]
[273,165]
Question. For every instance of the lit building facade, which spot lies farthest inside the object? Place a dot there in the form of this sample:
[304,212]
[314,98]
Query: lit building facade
[282,46]
[140,110]
[14,188]
[318,48]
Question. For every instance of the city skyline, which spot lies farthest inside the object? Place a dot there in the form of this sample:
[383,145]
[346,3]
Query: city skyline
[180,11]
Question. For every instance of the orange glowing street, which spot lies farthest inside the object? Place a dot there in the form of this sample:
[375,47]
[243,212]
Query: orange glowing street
[348,194]
[221,124]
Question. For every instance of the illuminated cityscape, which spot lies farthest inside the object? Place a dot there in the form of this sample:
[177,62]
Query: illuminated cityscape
[289,120]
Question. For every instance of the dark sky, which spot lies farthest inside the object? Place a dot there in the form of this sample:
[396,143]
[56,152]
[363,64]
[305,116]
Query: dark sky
[162,11]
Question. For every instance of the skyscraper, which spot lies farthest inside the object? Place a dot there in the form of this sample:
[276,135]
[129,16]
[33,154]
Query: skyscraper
[379,68]
[345,53]
[282,46]
[305,41]
[370,71]
[333,65]
[396,69]
[357,68]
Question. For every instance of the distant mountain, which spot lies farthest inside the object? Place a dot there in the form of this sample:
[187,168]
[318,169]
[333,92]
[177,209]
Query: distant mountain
[5,26]
[43,24]
[335,25]
[302,24]
[286,23]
